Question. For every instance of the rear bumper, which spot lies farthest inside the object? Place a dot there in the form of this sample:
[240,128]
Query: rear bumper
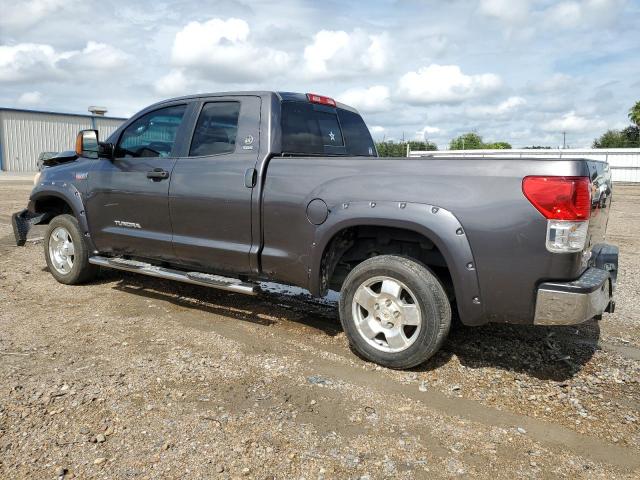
[571,303]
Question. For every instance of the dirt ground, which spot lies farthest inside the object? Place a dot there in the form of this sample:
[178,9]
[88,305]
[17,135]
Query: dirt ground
[134,377]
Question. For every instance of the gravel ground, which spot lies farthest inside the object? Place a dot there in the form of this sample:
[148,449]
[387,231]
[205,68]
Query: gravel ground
[134,377]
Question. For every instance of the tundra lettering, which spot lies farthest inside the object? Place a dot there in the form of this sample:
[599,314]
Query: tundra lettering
[127,224]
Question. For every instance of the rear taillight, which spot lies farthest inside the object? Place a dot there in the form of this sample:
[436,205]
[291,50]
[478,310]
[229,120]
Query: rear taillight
[566,204]
[321,99]
[559,198]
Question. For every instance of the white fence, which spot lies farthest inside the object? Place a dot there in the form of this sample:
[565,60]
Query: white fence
[624,162]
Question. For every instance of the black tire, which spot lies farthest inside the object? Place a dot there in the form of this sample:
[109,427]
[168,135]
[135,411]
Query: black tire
[430,297]
[81,271]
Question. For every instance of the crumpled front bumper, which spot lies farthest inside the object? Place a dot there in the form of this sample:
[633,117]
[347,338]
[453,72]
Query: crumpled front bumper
[22,223]
[575,302]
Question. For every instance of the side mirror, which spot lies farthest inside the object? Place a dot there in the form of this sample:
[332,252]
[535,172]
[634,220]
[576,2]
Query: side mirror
[88,145]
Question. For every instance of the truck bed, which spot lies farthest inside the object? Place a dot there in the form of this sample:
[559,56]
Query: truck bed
[505,231]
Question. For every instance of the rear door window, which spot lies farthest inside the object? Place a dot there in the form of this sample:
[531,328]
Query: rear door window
[216,129]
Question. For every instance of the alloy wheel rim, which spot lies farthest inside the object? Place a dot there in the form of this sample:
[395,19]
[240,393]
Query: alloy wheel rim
[61,250]
[386,314]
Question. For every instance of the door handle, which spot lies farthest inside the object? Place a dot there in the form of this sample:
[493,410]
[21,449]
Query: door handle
[250,177]
[158,174]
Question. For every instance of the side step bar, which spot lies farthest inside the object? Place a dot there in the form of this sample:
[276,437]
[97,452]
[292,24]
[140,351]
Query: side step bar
[195,278]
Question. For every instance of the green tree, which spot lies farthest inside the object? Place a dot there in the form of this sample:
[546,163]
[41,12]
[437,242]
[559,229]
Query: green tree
[626,138]
[466,141]
[631,136]
[399,149]
[391,149]
[473,141]
[422,145]
[498,146]
[634,114]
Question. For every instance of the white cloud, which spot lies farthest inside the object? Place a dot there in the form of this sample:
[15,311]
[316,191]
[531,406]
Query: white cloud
[340,54]
[508,11]
[502,109]
[30,98]
[26,61]
[172,84]
[445,84]
[45,49]
[222,49]
[33,61]
[95,56]
[378,132]
[571,122]
[22,14]
[573,14]
[428,131]
[553,83]
[372,99]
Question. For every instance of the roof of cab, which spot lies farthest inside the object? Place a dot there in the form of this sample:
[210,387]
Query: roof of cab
[282,96]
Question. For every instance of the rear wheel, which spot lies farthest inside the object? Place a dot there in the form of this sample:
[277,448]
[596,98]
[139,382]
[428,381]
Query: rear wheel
[394,311]
[66,252]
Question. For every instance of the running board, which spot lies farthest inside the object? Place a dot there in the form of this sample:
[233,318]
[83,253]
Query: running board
[195,278]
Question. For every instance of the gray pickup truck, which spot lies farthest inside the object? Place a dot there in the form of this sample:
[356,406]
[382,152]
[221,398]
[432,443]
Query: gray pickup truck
[225,190]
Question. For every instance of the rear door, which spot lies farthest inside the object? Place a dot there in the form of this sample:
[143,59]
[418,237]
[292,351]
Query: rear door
[128,207]
[211,189]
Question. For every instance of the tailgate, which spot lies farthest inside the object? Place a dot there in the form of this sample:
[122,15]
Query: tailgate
[601,191]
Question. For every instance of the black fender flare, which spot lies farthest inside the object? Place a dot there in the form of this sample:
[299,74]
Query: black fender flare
[435,223]
[67,192]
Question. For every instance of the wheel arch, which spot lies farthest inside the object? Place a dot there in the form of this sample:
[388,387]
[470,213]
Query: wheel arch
[434,224]
[60,198]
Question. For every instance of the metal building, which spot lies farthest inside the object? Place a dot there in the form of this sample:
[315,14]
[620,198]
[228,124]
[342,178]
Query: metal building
[24,134]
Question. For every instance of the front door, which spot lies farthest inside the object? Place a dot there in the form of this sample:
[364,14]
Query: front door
[128,209]
[210,193]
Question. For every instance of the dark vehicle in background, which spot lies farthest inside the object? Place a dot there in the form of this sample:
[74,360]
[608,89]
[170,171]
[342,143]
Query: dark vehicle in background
[224,190]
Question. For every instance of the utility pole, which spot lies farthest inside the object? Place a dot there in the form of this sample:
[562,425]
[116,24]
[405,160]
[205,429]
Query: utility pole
[564,140]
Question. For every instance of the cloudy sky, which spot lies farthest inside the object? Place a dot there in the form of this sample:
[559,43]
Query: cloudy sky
[522,71]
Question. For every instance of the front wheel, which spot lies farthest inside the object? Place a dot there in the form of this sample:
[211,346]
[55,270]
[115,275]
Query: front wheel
[394,311]
[66,253]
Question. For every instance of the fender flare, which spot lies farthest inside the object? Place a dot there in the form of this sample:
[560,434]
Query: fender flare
[433,222]
[67,192]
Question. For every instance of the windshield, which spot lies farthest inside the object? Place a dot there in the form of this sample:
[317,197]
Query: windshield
[313,129]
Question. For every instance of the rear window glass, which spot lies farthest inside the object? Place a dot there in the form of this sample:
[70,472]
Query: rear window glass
[309,128]
[356,134]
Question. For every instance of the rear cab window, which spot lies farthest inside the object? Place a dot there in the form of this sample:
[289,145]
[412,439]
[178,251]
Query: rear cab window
[313,129]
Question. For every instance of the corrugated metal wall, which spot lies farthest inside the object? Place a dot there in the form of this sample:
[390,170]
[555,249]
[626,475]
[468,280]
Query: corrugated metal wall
[106,126]
[25,134]
[624,162]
